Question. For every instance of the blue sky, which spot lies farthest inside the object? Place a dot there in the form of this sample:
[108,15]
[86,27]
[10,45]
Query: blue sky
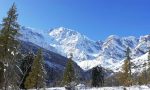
[97,19]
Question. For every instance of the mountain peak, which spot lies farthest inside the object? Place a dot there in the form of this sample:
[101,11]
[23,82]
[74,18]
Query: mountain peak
[62,32]
[144,38]
[113,37]
[62,29]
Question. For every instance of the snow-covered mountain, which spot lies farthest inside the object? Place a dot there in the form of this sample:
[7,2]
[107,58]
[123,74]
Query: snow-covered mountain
[63,41]
[112,54]
[87,53]
[73,42]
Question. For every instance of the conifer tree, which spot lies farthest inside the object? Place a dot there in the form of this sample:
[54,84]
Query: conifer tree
[69,73]
[125,77]
[97,77]
[129,61]
[36,78]
[1,75]
[9,46]
[26,68]
[8,34]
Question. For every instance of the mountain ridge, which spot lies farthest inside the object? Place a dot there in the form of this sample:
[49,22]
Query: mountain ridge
[65,41]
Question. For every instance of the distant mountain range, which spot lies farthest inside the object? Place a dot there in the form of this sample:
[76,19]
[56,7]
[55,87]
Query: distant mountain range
[88,53]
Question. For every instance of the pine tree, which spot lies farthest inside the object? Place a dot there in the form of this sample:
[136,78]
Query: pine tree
[97,77]
[36,78]
[69,73]
[1,75]
[26,68]
[8,34]
[129,62]
[125,77]
[9,46]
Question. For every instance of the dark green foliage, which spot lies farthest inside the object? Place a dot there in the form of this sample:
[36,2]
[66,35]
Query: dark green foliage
[36,78]
[26,68]
[9,46]
[97,77]
[69,73]
[10,28]
[1,75]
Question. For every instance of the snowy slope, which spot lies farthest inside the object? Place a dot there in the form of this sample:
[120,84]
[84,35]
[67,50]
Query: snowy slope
[37,37]
[87,53]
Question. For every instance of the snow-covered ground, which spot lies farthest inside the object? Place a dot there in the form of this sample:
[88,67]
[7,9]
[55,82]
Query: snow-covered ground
[143,87]
[121,88]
